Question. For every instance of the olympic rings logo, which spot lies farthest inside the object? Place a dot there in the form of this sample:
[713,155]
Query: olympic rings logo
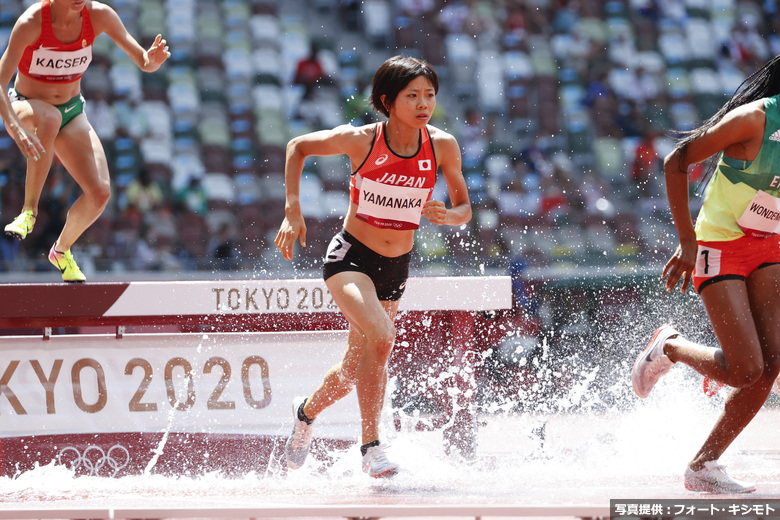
[95,462]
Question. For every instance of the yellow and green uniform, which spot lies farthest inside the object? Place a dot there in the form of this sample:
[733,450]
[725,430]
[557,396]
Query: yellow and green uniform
[735,184]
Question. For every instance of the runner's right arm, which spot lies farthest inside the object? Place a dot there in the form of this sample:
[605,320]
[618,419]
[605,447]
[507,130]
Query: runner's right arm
[25,32]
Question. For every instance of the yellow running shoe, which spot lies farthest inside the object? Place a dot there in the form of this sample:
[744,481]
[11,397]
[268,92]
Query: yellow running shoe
[21,225]
[67,265]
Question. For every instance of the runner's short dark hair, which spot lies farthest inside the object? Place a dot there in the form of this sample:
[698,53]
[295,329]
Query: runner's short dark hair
[394,75]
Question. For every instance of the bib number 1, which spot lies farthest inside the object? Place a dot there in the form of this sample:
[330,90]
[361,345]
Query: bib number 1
[708,262]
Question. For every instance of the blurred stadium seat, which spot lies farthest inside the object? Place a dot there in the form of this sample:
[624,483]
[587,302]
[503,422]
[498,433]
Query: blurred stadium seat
[583,79]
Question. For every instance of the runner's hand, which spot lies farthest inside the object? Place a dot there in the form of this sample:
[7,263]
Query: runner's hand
[288,232]
[158,52]
[27,141]
[680,266]
[435,211]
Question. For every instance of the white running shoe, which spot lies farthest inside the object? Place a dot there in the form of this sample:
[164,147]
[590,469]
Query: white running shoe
[652,363]
[712,478]
[376,465]
[297,447]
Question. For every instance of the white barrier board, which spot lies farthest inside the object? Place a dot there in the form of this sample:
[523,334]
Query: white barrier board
[472,293]
[189,383]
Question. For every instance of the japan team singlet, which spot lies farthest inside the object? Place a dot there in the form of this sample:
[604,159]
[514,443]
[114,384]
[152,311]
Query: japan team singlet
[390,190]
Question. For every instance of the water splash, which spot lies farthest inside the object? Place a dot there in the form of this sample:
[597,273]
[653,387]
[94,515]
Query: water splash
[163,441]
[557,420]
[520,455]
[175,405]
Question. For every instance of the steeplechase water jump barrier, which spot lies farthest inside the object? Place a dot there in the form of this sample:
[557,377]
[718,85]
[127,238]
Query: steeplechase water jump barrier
[172,400]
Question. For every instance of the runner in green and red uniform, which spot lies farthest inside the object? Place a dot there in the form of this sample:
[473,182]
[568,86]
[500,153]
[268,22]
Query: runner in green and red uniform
[732,256]
[51,47]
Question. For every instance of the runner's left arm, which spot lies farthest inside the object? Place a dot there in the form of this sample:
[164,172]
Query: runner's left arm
[448,150]
[106,20]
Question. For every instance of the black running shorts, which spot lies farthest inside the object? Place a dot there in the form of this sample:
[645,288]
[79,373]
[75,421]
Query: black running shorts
[346,253]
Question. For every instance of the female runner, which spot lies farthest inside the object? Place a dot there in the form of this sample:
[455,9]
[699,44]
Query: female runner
[394,166]
[51,47]
[732,257]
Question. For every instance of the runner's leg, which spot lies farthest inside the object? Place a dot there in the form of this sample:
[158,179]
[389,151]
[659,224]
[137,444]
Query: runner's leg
[82,154]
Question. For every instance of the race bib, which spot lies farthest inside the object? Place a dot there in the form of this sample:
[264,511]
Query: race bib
[61,65]
[761,218]
[337,249]
[707,262]
[396,207]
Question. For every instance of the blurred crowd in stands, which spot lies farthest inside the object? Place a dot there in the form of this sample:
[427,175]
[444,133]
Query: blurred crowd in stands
[564,109]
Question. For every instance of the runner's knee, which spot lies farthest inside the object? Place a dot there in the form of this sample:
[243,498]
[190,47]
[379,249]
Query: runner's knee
[49,125]
[100,193]
[747,374]
[381,337]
